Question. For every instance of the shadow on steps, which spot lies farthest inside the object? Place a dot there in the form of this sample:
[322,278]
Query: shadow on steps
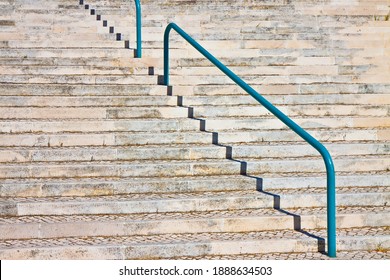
[259,181]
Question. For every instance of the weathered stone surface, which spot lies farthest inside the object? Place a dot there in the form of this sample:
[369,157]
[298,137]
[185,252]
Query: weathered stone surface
[101,161]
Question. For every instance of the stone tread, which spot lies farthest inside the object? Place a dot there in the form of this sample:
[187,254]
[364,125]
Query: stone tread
[195,195]
[153,93]
[190,215]
[376,147]
[319,93]
[184,153]
[341,255]
[268,175]
[266,144]
[184,123]
[259,137]
[130,111]
[289,61]
[379,158]
[188,238]
[109,186]
[343,176]
[187,168]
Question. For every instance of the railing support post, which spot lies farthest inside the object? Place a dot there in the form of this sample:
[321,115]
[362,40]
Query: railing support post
[331,177]
[166,54]
[331,204]
[138,53]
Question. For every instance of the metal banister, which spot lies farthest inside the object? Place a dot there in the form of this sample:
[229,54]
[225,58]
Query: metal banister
[138,53]
[331,177]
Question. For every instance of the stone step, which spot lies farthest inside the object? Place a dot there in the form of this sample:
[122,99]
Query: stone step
[223,3]
[185,124]
[102,113]
[47,43]
[154,111]
[66,26]
[176,152]
[223,11]
[324,135]
[185,152]
[93,187]
[262,64]
[280,99]
[346,10]
[121,169]
[242,47]
[378,253]
[80,62]
[324,23]
[337,150]
[335,93]
[281,41]
[190,202]
[183,71]
[190,80]
[251,50]
[192,245]
[330,70]
[38,14]
[61,25]
[61,92]
[42,15]
[346,164]
[219,43]
[44,37]
[282,66]
[136,125]
[74,70]
[274,79]
[219,7]
[128,204]
[285,28]
[197,222]
[90,102]
[202,105]
[80,79]
[180,168]
[290,110]
[54,6]
[67,53]
[262,136]
[229,124]
[100,138]
[277,57]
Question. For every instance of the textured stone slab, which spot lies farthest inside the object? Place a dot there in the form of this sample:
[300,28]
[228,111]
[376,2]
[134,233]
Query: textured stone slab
[186,245]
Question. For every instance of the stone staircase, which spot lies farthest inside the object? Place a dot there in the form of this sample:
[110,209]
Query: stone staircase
[99,161]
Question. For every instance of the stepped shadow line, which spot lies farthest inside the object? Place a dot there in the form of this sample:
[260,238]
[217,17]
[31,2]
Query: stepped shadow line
[111,29]
[259,181]
[297,218]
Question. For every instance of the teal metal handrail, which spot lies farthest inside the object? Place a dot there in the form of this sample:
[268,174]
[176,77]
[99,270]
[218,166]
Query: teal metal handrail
[331,177]
[138,53]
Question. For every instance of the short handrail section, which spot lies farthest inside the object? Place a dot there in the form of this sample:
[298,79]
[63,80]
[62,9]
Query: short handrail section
[331,177]
[138,52]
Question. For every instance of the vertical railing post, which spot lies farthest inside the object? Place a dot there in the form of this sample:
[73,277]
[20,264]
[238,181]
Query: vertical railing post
[138,53]
[331,204]
[166,55]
